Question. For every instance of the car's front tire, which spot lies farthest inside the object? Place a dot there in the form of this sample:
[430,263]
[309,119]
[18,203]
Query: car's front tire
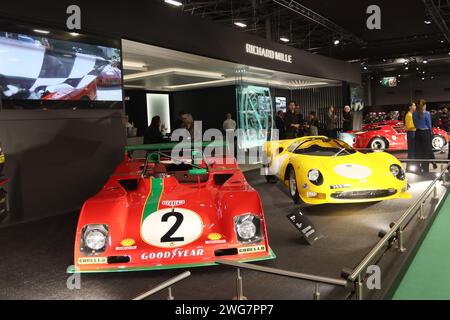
[438,142]
[378,144]
[293,188]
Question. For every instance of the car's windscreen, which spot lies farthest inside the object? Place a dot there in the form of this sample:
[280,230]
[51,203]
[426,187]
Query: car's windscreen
[324,148]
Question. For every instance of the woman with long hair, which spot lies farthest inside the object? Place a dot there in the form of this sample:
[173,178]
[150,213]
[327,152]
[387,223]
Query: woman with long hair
[153,133]
[424,129]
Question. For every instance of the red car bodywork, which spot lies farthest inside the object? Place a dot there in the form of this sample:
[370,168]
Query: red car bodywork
[128,203]
[109,77]
[392,131]
[88,93]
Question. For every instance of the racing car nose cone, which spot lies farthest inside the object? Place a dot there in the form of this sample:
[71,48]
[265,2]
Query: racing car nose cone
[353,171]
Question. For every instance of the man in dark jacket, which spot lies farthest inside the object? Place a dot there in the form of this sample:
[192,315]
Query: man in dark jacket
[348,119]
[291,121]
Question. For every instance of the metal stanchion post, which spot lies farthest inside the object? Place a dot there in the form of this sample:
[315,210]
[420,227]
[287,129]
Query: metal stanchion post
[421,216]
[401,240]
[435,193]
[239,287]
[170,297]
[317,292]
[359,288]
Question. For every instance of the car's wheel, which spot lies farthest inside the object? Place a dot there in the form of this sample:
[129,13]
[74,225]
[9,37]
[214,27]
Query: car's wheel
[293,188]
[438,142]
[271,179]
[378,144]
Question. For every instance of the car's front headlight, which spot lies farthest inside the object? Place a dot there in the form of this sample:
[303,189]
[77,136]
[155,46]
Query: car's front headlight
[315,177]
[248,228]
[94,238]
[397,171]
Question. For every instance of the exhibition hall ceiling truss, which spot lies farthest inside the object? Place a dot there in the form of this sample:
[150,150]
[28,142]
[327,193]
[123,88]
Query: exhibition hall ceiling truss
[339,30]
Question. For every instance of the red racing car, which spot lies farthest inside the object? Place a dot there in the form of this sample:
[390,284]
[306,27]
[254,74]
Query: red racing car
[389,135]
[110,76]
[165,212]
[86,91]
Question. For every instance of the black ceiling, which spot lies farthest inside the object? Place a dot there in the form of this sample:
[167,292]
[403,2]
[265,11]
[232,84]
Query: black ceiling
[403,32]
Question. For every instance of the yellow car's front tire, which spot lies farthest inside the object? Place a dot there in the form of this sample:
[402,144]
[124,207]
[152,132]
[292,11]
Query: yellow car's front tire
[293,188]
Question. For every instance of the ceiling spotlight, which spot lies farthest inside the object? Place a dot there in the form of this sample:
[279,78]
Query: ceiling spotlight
[423,78]
[173,3]
[240,24]
[425,61]
[365,68]
[336,42]
[406,68]
[284,39]
[41,31]
[442,41]
[427,21]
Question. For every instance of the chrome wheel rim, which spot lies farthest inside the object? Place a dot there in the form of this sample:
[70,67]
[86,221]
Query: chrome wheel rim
[438,143]
[292,183]
[378,145]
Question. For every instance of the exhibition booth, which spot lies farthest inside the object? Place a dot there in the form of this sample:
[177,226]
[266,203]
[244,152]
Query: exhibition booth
[74,108]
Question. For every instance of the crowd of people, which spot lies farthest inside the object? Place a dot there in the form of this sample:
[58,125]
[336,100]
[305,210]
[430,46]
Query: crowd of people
[293,124]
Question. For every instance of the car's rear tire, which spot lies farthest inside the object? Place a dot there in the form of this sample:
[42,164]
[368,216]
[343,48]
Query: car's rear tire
[438,142]
[378,144]
[293,188]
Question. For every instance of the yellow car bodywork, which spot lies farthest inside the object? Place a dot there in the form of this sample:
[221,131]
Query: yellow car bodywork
[346,178]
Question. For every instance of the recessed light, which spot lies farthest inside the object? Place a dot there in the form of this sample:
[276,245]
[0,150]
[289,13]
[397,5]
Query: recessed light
[240,24]
[284,39]
[41,31]
[365,68]
[406,68]
[423,78]
[425,61]
[427,21]
[173,3]
[336,42]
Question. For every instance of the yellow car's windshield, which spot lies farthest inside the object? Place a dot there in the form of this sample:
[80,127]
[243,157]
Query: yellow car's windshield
[323,147]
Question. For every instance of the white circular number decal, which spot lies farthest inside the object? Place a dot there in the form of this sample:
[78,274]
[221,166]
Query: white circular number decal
[172,228]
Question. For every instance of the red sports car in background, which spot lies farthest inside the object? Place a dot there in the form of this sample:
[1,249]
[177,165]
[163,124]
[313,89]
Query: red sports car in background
[163,212]
[110,76]
[389,135]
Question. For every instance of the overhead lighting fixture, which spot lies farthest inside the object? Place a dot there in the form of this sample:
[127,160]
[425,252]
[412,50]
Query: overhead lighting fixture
[74,34]
[284,39]
[240,24]
[427,21]
[425,61]
[336,42]
[132,65]
[406,68]
[365,68]
[174,71]
[173,3]
[423,78]
[41,31]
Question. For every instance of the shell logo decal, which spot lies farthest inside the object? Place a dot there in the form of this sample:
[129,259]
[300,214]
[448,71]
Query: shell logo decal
[215,236]
[128,242]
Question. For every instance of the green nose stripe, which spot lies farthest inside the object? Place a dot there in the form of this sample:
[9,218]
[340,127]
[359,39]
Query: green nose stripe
[153,199]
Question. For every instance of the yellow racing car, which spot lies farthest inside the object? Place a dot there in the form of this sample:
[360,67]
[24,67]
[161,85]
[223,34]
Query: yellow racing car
[320,170]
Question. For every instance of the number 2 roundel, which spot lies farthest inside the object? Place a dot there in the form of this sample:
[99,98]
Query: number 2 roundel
[172,228]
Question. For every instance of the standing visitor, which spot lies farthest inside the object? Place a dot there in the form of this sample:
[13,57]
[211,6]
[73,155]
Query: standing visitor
[312,125]
[348,119]
[331,123]
[410,132]
[279,123]
[153,134]
[291,121]
[229,123]
[422,123]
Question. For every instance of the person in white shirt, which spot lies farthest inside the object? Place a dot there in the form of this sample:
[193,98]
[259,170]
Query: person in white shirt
[229,124]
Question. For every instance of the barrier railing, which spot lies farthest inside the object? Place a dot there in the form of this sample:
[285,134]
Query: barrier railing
[165,285]
[397,229]
[283,273]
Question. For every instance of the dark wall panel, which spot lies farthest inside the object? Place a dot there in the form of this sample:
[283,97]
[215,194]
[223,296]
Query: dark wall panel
[209,105]
[57,159]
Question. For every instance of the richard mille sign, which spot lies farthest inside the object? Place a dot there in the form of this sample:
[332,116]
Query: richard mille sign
[268,53]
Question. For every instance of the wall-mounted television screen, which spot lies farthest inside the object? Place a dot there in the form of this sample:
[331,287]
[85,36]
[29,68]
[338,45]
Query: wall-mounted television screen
[41,68]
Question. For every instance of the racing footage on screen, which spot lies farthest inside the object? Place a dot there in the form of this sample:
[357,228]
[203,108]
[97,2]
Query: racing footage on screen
[40,68]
